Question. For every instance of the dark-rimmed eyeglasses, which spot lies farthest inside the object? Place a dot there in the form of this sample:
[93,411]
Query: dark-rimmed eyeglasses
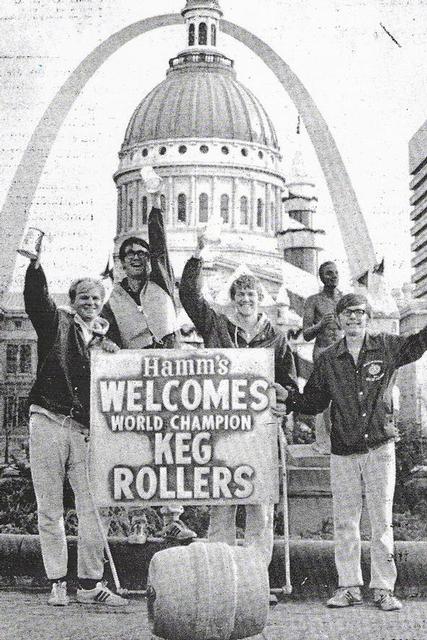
[137,254]
[359,313]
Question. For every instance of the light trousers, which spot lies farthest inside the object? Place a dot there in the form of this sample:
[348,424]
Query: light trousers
[377,469]
[323,429]
[258,531]
[57,451]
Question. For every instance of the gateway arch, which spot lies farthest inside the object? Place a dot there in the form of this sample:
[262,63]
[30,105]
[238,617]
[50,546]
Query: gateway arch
[15,211]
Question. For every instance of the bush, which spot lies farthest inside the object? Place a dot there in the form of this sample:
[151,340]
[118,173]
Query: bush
[18,511]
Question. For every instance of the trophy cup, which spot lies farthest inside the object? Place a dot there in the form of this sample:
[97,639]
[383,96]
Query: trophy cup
[31,243]
[151,179]
[212,231]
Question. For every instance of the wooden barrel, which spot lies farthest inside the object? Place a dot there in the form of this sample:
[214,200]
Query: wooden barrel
[208,591]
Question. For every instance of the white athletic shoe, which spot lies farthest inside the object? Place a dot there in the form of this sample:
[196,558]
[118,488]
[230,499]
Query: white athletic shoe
[58,596]
[101,594]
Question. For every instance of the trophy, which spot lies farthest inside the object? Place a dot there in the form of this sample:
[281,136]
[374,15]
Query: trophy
[212,231]
[31,243]
[151,179]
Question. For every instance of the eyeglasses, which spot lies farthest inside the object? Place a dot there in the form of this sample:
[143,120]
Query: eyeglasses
[137,254]
[359,313]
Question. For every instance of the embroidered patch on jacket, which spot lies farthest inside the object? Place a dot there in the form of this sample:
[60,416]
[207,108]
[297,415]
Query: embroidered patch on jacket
[374,370]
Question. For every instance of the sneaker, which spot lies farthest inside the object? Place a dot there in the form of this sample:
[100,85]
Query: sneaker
[101,594]
[177,530]
[58,596]
[386,601]
[137,534]
[345,597]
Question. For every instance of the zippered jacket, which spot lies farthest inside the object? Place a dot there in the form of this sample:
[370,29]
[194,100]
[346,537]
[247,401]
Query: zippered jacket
[360,395]
[218,330]
[63,370]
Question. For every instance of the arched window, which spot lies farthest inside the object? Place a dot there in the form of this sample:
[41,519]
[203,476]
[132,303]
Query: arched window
[243,210]
[163,202]
[119,210]
[130,207]
[259,212]
[203,207]
[144,209]
[182,207]
[213,35]
[203,33]
[191,35]
[225,206]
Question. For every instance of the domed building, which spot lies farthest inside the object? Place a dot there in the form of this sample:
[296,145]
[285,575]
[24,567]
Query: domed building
[215,147]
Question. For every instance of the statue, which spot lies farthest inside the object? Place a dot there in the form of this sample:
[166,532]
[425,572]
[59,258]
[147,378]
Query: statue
[320,323]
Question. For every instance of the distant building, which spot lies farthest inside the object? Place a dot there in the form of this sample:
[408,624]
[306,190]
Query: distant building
[418,185]
[216,148]
[18,359]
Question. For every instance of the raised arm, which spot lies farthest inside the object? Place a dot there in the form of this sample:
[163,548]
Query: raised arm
[161,268]
[408,349]
[197,308]
[40,308]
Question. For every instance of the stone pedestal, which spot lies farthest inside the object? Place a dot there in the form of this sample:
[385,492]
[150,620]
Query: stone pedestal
[309,494]
[412,378]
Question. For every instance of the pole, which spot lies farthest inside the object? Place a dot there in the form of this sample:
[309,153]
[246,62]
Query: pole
[117,584]
[287,587]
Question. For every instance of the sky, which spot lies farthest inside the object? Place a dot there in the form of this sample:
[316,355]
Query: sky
[363,62]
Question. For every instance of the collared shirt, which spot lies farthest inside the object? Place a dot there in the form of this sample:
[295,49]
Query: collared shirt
[135,295]
[360,394]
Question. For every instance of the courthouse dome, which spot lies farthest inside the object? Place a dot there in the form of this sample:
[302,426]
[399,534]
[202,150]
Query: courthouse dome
[200,98]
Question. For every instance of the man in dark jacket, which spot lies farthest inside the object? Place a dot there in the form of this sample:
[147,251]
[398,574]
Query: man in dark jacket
[245,327]
[356,375]
[59,430]
[141,314]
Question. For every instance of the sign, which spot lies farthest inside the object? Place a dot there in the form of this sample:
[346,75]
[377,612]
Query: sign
[188,427]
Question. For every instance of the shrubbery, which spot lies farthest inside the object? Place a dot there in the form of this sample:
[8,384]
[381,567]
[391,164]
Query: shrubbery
[18,512]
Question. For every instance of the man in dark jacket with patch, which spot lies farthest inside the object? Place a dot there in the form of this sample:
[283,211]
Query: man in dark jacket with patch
[246,327]
[356,376]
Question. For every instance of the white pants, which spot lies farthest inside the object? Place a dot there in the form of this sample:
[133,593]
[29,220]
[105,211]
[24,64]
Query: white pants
[259,526]
[377,468]
[323,431]
[57,451]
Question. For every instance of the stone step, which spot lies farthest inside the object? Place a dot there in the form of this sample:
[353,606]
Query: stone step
[305,455]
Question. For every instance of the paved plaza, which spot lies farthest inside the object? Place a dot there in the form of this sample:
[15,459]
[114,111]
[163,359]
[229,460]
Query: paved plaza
[25,615]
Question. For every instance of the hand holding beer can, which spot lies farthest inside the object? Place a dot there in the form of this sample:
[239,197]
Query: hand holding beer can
[31,243]
[151,179]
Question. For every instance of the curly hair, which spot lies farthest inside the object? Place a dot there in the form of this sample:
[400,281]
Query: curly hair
[246,281]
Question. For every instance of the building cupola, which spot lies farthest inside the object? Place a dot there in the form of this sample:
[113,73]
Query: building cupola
[202,21]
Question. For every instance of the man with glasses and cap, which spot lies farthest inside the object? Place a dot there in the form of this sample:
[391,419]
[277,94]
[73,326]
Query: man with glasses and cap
[356,376]
[141,314]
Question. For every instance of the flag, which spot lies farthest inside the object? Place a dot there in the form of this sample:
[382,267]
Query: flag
[379,268]
[363,279]
[109,269]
